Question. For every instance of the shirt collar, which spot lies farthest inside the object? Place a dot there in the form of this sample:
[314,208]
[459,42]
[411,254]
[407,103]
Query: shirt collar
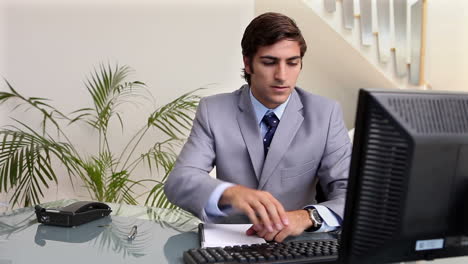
[261,110]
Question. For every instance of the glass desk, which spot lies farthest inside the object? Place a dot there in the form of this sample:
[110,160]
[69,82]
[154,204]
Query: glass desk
[163,235]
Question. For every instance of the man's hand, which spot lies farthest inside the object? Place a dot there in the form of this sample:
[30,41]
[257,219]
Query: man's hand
[299,221]
[260,206]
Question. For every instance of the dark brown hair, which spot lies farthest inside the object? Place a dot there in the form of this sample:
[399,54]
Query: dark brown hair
[267,29]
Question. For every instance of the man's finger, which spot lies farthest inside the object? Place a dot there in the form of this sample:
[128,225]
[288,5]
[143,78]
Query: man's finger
[271,235]
[281,212]
[264,217]
[257,227]
[263,232]
[274,216]
[251,214]
[282,235]
[251,231]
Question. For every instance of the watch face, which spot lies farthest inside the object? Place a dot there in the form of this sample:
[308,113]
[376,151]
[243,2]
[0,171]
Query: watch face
[317,217]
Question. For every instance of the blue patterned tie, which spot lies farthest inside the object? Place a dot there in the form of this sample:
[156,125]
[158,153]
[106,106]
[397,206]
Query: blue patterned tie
[271,121]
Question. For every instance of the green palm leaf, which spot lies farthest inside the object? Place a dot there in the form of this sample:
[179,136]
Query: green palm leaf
[49,113]
[107,87]
[26,164]
[156,196]
[105,184]
[174,117]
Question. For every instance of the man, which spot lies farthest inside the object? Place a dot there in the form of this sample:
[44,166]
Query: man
[270,141]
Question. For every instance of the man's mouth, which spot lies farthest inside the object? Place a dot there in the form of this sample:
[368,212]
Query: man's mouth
[279,87]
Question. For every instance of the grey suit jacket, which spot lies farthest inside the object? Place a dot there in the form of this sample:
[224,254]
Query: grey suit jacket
[310,145]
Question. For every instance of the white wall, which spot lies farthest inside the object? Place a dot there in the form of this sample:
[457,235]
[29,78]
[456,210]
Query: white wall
[47,48]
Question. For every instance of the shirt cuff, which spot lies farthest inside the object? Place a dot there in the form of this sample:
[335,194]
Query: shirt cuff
[331,222]
[211,208]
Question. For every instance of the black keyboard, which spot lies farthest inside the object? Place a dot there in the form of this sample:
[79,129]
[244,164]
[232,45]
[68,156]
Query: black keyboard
[304,251]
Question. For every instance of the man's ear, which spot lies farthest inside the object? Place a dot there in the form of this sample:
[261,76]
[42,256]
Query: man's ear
[247,66]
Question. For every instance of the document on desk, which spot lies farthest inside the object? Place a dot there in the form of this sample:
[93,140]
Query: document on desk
[222,235]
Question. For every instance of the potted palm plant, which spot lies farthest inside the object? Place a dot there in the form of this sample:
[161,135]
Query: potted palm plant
[27,154]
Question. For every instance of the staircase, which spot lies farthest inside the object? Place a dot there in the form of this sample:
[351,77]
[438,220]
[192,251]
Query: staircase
[337,64]
[388,33]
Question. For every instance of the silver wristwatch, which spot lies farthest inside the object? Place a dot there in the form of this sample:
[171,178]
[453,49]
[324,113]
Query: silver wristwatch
[316,219]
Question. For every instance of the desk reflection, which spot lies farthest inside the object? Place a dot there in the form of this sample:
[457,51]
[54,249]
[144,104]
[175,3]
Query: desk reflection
[77,234]
[109,234]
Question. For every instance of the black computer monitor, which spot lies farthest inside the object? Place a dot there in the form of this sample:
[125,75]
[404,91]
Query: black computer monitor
[408,184]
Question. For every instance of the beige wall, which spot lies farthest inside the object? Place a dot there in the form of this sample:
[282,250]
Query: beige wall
[48,47]
[447,42]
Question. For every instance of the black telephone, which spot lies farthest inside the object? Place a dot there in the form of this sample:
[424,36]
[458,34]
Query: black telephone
[72,215]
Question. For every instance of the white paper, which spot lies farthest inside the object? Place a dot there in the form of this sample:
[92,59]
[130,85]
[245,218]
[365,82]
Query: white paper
[222,235]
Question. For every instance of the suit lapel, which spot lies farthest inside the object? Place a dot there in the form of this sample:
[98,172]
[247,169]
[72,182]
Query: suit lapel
[290,122]
[250,131]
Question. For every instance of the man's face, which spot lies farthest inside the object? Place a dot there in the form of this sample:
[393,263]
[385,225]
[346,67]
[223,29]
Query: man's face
[275,71]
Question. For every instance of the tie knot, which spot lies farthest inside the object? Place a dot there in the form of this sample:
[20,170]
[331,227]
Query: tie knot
[270,119]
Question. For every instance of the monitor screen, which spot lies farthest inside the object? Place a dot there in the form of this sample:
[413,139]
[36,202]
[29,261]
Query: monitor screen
[407,195]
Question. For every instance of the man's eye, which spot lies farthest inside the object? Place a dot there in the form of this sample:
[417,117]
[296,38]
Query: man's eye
[268,62]
[293,63]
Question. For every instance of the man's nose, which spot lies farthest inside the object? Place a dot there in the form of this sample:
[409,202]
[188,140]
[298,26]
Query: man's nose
[280,72]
